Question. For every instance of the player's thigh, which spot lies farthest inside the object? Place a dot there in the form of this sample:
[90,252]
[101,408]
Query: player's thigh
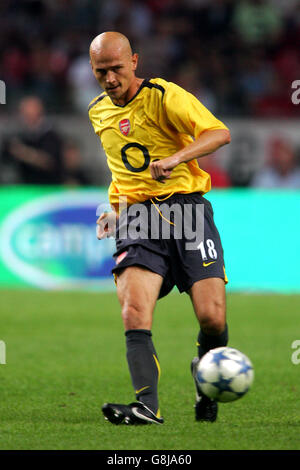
[138,290]
[209,301]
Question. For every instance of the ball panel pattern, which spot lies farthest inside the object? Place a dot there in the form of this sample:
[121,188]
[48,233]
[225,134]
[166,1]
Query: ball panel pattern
[225,374]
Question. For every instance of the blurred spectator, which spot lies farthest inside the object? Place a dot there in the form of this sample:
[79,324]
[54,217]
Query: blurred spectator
[255,77]
[244,158]
[219,176]
[281,170]
[134,18]
[276,102]
[257,22]
[160,53]
[73,174]
[213,20]
[35,151]
[243,54]
[83,86]
[188,77]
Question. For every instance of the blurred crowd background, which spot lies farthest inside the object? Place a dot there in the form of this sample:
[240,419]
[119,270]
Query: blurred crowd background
[239,58]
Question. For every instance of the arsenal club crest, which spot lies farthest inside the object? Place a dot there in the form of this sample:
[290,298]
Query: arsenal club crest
[124,126]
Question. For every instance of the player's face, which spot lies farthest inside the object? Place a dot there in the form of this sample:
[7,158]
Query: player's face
[115,73]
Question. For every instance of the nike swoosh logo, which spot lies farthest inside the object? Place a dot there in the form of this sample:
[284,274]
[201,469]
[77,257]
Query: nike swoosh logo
[141,389]
[208,264]
[136,413]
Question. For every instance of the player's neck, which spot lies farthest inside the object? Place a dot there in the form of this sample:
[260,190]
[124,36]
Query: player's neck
[131,92]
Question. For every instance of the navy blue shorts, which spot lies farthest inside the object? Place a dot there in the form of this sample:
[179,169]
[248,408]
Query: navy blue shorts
[175,237]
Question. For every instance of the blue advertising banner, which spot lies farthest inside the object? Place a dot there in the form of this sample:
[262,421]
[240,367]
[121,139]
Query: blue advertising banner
[260,231]
[48,239]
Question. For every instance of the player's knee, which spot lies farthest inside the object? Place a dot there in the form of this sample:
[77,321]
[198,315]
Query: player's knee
[133,316]
[213,326]
[213,318]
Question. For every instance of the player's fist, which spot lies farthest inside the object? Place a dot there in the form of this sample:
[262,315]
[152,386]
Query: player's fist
[161,169]
[106,225]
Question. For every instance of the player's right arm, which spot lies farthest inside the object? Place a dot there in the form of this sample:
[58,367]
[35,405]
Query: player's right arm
[208,142]
[188,115]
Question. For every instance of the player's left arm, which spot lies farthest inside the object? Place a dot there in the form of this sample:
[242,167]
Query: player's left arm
[208,142]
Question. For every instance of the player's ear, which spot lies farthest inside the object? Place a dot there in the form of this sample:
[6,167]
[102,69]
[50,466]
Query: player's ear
[135,59]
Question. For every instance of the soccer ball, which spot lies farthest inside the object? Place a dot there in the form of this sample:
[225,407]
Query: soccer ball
[224,374]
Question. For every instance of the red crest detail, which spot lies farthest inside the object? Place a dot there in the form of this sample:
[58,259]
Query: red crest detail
[121,257]
[124,126]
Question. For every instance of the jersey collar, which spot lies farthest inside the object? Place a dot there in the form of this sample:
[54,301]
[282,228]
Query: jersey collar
[142,85]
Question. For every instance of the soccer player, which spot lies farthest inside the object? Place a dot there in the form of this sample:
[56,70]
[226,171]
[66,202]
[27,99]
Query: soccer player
[152,132]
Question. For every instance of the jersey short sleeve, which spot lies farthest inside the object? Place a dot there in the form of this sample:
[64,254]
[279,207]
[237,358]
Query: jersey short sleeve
[187,114]
[94,112]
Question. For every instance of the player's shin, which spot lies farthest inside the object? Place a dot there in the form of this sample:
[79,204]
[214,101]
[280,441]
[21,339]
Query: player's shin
[144,367]
[206,342]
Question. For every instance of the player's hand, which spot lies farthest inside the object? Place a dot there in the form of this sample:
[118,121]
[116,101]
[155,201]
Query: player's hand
[17,148]
[161,169]
[106,225]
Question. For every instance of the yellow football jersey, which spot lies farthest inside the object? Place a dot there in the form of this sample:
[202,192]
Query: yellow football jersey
[159,120]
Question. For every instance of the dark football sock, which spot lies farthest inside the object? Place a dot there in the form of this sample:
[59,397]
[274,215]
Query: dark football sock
[143,366]
[207,342]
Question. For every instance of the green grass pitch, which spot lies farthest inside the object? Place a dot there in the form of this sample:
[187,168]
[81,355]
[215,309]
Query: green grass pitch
[65,356]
